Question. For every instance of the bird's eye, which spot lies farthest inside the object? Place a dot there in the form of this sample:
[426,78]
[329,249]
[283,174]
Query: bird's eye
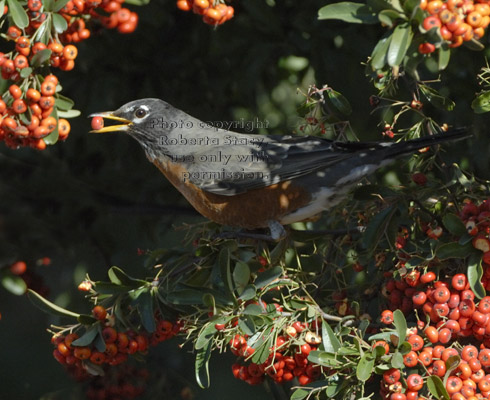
[140,112]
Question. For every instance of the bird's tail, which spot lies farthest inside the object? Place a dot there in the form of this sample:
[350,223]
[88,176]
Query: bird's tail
[410,146]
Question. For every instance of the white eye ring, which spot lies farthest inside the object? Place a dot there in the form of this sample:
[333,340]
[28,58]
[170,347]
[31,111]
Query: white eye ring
[141,112]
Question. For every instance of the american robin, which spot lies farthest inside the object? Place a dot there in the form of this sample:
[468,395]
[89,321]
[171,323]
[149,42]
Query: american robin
[254,181]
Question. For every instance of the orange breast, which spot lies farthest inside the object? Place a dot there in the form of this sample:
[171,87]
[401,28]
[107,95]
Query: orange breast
[249,210]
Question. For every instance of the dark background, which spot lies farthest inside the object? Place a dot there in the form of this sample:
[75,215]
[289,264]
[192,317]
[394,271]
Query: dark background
[93,201]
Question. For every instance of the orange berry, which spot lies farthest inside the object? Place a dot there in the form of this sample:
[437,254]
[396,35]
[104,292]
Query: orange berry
[15,91]
[456,41]
[97,123]
[478,33]
[63,128]
[82,353]
[48,88]
[213,14]
[482,8]
[56,48]
[184,5]
[84,34]
[70,338]
[18,268]
[431,22]
[474,19]
[98,311]
[37,47]
[13,32]
[9,124]
[426,48]
[46,102]
[109,334]
[50,123]
[97,357]
[67,65]
[70,52]
[33,95]
[40,132]
[454,5]
[445,16]
[20,61]
[19,106]
[51,78]
[201,3]
[434,6]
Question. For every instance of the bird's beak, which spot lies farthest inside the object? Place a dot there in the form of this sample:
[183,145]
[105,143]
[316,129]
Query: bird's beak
[111,128]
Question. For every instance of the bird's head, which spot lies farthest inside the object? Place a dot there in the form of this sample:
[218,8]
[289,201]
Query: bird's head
[146,120]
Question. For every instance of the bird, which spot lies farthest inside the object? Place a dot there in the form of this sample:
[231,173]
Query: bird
[254,181]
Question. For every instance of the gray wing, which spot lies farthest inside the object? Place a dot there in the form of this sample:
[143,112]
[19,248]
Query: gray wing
[232,169]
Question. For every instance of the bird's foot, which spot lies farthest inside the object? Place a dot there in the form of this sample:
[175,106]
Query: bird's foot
[277,231]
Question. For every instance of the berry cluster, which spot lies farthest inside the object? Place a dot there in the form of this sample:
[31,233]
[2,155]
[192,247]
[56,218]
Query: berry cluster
[457,21]
[29,110]
[123,383]
[114,347]
[288,358]
[468,367]
[214,12]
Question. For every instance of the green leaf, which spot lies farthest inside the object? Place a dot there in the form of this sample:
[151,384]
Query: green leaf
[248,293]
[454,250]
[58,5]
[68,114]
[436,387]
[14,284]
[299,394]
[253,309]
[48,5]
[225,270]
[145,310]
[444,56]
[388,17]
[400,41]
[247,325]
[436,99]
[119,277]
[325,359]
[48,307]
[475,273]
[377,227]
[397,360]
[40,58]
[365,367]
[337,104]
[349,12]
[380,53]
[59,23]
[381,336]
[205,335]
[454,224]
[241,276]
[18,13]
[88,337]
[481,104]
[25,72]
[262,348]
[330,342]
[268,276]
[202,366]
[400,325]
[63,103]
